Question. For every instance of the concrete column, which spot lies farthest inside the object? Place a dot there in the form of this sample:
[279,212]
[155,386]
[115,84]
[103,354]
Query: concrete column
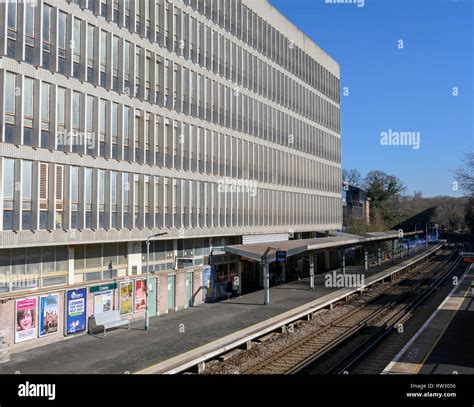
[312,267]
[266,281]
[343,262]
[70,251]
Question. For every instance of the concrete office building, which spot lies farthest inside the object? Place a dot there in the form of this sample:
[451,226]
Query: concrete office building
[211,120]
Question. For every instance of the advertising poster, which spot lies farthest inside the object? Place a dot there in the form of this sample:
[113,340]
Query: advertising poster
[140,295]
[25,313]
[48,316]
[126,298]
[103,302]
[75,311]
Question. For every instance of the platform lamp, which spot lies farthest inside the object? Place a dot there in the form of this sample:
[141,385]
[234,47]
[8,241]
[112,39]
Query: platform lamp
[147,315]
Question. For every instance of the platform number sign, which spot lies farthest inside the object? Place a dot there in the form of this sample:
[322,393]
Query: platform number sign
[280,256]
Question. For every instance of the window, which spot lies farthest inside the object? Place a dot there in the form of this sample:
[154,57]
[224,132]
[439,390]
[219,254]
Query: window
[61,119]
[62,42]
[125,191]
[10,106]
[77,48]
[102,126]
[28,111]
[88,180]
[137,71]
[103,8]
[43,196]
[114,129]
[90,53]
[103,58]
[138,118]
[101,199]
[29,32]
[8,189]
[26,195]
[137,16]
[12,28]
[59,196]
[46,37]
[126,5]
[115,16]
[74,197]
[45,114]
[126,132]
[115,62]
[126,67]
[76,115]
[113,197]
[90,105]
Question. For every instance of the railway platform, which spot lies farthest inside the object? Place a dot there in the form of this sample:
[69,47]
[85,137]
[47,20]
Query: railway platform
[443,345]
[176,340]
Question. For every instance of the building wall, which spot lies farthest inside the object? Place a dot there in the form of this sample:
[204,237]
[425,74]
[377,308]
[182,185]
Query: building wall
[119,120]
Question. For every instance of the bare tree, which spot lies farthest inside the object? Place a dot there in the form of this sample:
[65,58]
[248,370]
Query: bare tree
[352,177]
[465,175]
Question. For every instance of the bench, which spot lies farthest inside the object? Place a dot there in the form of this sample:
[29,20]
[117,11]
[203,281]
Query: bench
[106,320]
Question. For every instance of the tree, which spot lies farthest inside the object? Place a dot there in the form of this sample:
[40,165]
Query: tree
[469,215]
[382,187]
[465,175]
[352,177]
[383,190]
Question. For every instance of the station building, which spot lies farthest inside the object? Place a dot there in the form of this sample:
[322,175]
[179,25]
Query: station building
[216,122]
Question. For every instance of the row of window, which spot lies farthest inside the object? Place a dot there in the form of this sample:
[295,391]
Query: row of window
[98,127]
[33,267]
[107,60]
[50,196]
[245,24]
[36,267]
[172,25]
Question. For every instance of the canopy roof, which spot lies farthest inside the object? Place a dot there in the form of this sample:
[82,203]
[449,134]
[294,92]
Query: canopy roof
[255,251]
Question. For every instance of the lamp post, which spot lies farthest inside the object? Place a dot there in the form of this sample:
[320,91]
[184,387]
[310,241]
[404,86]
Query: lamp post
[147,316]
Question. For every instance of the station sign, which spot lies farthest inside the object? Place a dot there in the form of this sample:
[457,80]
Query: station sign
[280,256]
[104,287]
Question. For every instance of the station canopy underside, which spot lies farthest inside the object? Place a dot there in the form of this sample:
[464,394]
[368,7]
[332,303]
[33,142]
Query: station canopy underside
[336,240]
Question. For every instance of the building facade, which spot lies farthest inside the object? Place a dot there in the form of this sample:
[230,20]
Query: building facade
[208,120]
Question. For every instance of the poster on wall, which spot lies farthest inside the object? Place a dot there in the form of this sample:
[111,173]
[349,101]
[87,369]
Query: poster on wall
[103,302]
[48,316]
[140,295]
[25,313]
[75,311]
[126,298]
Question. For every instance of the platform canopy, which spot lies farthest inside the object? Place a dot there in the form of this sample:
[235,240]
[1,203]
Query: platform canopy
[336,240]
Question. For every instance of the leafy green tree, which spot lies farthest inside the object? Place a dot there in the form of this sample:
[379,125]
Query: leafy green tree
[384,191]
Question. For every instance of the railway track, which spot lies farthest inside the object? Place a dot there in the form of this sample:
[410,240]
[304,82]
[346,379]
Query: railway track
[386,326]
[377,311]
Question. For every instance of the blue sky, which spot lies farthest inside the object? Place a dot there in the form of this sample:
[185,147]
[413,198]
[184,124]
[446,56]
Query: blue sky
[409,89]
